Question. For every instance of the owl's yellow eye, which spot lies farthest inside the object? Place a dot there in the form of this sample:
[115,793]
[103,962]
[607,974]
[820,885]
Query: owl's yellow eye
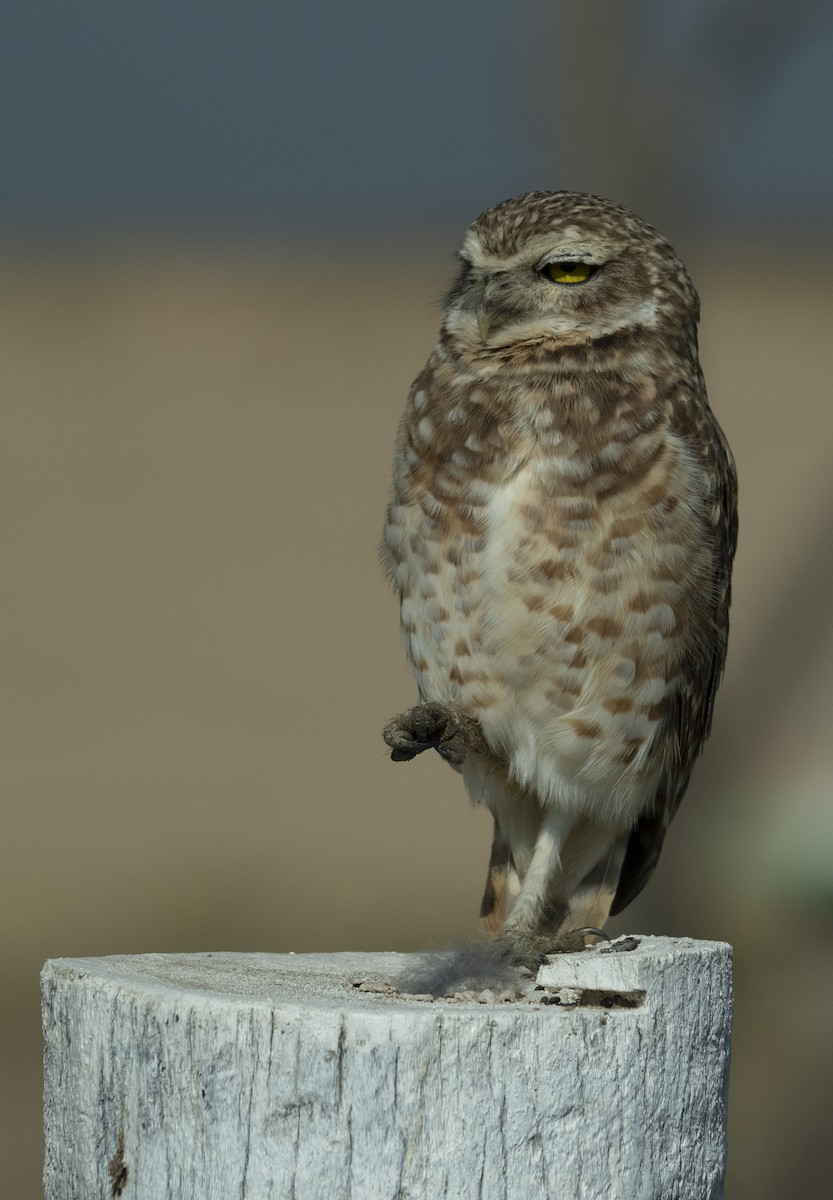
[569,272]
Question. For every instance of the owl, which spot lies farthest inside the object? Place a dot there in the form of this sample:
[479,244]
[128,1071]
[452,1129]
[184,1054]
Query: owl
[560,534]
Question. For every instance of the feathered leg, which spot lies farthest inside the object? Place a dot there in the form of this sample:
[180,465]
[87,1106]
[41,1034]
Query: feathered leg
[550,873]
[590,901]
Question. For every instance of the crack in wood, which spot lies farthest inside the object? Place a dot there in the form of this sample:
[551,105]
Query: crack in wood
[568,997]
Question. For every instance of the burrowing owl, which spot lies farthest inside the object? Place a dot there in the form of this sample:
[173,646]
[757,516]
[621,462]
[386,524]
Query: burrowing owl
[561,532]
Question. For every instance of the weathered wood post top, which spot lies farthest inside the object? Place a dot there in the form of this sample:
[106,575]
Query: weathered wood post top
[224,1076]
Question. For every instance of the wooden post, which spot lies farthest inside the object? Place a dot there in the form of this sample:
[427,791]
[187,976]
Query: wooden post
[232,1076]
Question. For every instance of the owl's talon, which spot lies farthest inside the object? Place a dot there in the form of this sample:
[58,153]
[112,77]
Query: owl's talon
[433,726]
[532,948]
[403,749]
[454,750]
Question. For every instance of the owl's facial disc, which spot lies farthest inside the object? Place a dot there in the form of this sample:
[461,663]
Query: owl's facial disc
[561,287]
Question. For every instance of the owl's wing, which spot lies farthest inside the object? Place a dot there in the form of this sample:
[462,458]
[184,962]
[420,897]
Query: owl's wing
[690,717]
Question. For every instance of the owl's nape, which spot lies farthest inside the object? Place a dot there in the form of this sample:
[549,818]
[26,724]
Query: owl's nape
[560,534]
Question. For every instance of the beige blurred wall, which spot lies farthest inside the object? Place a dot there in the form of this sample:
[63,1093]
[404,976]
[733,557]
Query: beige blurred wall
[200,648]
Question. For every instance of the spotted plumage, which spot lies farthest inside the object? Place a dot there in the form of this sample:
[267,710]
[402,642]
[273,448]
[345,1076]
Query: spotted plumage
[560,534]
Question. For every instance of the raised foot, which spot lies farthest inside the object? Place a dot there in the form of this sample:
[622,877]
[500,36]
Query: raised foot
[433,725]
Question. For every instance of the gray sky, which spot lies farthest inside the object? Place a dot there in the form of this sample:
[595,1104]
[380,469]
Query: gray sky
[277,115]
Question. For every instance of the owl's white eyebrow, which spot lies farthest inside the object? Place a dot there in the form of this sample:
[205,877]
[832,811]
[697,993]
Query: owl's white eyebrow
[571,254]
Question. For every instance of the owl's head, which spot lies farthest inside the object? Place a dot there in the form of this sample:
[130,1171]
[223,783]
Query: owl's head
[561,269]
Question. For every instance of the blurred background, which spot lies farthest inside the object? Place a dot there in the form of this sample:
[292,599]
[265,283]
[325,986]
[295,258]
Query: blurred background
[223,232]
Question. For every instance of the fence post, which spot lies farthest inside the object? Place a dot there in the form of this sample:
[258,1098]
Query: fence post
[232,1076]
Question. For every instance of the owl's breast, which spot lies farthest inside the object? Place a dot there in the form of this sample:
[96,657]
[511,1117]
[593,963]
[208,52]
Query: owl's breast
[559,609]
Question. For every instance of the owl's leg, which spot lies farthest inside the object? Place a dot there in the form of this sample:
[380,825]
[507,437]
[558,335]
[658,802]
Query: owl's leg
[590,899]
[533,927]
[569,886]
[517,817]
[433,725]
[502,885]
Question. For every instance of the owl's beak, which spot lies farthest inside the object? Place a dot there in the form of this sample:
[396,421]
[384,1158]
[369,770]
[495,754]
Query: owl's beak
[487,309]
[486,321]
